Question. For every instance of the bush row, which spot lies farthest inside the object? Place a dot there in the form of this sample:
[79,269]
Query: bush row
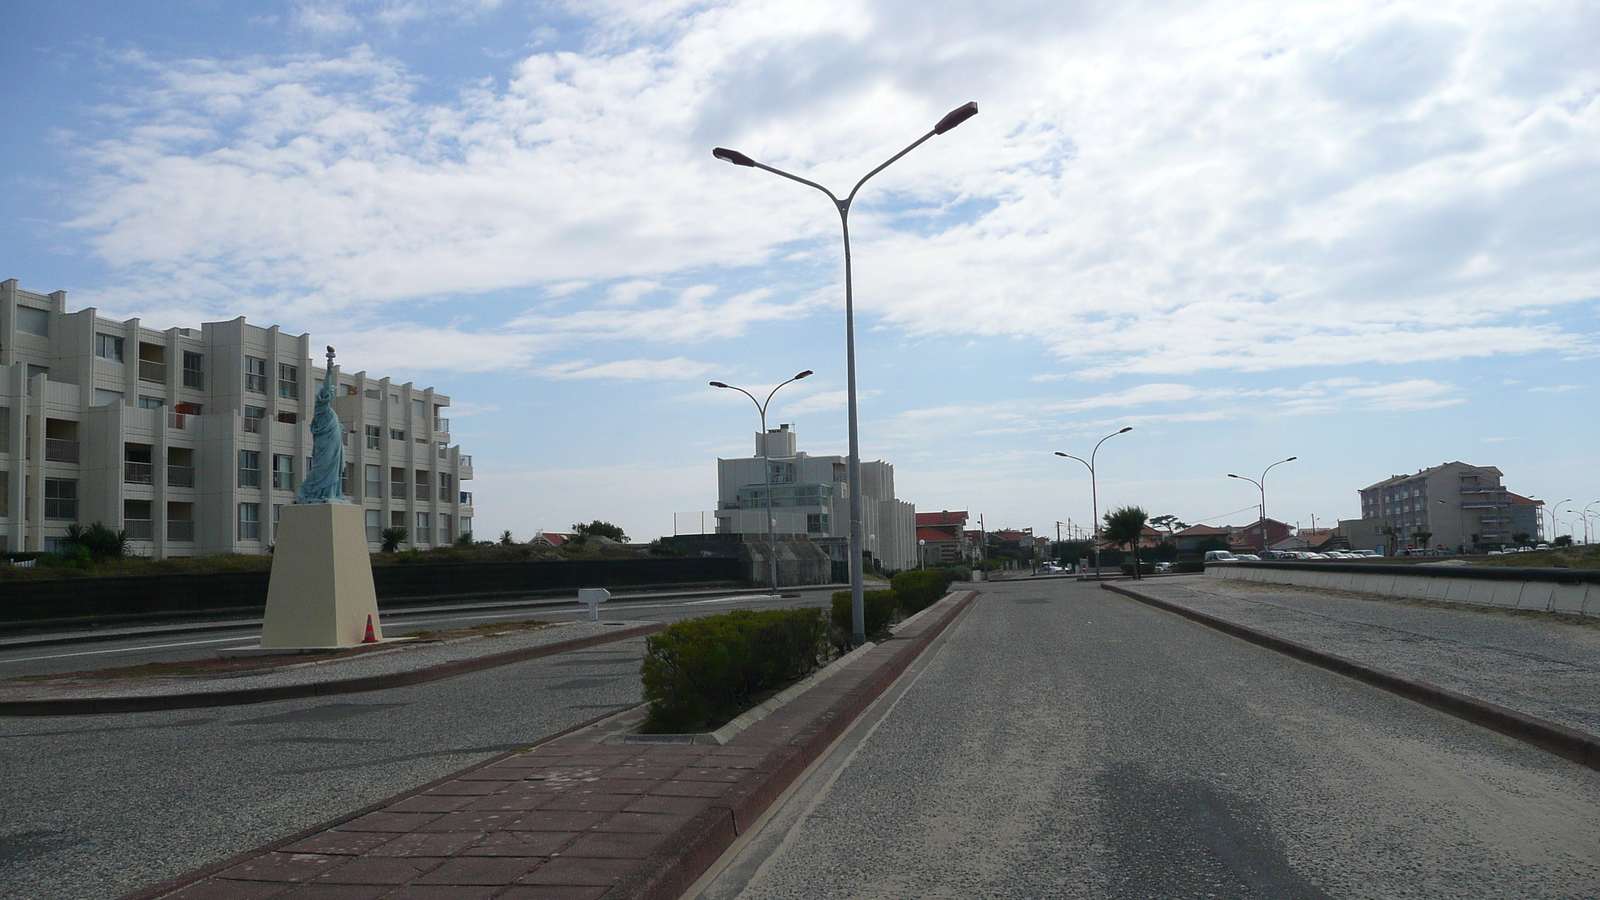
[700,673]
[909,593]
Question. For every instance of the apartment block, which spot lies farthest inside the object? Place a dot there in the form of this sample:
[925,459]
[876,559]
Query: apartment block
[193,440]
[811,496]
[1455,503]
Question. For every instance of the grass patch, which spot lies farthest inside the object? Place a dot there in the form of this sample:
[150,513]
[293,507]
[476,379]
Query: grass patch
[1582,557]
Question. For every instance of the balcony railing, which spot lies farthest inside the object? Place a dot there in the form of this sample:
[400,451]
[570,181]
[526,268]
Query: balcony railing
[139,529]
[252,424]
[444,451]
[466,498]
[441,424]
[180,529]
[60,450]
[178,421]
[397,490]
[180,476]
[152,371]
[138,473]
[466,460]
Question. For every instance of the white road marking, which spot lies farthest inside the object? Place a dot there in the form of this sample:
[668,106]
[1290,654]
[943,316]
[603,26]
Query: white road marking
[246,640]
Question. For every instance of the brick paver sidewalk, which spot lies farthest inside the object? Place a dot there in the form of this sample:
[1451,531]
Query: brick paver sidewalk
[574,818]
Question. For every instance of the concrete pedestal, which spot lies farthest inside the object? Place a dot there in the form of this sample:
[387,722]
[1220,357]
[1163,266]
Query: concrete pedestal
[321,590]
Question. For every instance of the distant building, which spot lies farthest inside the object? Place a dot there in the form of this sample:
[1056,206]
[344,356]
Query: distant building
[1258,535]
[811,496]
[941,540]
[1458,506]
[1189,540]
[192,439]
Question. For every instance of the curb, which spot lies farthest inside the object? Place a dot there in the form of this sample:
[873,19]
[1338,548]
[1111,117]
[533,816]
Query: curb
[1568,743]
[87,706]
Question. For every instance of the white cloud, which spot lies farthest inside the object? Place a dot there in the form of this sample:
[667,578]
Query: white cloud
[1242,186]
[1555,389]
[629,369]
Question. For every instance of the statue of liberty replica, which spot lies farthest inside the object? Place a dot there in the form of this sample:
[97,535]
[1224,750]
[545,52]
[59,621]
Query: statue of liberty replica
[321,594]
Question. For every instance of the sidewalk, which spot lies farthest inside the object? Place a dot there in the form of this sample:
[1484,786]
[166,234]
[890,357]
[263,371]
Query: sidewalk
[574,818]
[1535,677]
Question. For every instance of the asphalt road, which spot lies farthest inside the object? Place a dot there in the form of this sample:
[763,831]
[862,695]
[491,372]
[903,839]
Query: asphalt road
[97,806]
[172,647]
[1068,742]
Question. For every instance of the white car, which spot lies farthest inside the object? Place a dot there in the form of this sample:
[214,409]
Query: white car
[1220,556]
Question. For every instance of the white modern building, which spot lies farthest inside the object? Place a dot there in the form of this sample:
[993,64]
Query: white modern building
[811,496]
[193,440]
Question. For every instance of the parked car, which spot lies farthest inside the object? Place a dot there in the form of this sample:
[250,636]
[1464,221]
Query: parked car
[1163,567]
[1220,556]
[1247,557]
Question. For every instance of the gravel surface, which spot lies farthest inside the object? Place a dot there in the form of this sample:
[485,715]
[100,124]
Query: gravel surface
[97,806]
[1069,742]
[402,657]
[1542,664]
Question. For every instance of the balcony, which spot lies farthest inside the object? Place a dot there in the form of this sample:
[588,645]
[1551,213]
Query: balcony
[180,476]
[441,424]
[252,425]
[60,450]
[180,530]
[152,371]
[138,473]
[139,529]
[466,460]
[178,421]
[466,498]
[397,490]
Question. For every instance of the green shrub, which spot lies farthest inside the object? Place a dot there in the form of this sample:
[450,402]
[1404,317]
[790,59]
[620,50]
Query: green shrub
[877,608]
[1188,567]
[917,590]
[702,672]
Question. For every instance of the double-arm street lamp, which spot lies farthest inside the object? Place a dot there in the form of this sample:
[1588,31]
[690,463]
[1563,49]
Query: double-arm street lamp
[1551,509]
[1094,491]
[766,468]
[1262,486]
[955,117]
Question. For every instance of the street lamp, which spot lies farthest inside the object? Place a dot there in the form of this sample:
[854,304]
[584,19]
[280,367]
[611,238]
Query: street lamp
[1094,491]
[766,470]
[1552,511]
[1462,517]
[858,628]
[1262,485]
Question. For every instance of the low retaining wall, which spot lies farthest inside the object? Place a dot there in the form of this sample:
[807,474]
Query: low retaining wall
[1572,591]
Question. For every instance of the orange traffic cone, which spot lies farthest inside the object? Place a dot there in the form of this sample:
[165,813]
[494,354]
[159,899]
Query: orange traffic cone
[372,637]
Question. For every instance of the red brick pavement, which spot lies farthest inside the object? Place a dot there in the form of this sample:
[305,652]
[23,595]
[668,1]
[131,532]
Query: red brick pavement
[573,818]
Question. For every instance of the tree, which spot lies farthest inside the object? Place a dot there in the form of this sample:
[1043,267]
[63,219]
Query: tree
[598,528]
[464,539]
[1168,523]
[1421,537]
[392,539]
[506,539]
[1562,540]
[1522,537]
[97,542]
[1125,526]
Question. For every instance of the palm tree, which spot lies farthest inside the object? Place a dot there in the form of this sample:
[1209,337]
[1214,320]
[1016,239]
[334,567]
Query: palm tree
[1126,526]
[392,538]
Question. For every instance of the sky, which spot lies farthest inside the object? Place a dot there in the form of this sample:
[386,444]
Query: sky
[1366,234]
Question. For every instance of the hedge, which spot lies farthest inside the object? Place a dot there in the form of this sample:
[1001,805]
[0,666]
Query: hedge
[920,589]
[877,608]
[702,672]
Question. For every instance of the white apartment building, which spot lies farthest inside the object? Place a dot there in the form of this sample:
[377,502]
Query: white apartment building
[811,496]
[193,440]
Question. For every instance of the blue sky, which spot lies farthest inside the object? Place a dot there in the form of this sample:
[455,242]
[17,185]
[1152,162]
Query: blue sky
[1365,234]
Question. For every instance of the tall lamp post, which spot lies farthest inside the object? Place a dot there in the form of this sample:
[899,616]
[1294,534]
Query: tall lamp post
[1094,490]
[858,627]
[1262,486]
[766,470]
[1552,511]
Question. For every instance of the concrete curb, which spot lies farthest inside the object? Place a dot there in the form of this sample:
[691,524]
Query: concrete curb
[1565,742]
[88,706]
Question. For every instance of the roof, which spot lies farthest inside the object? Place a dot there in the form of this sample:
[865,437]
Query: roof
[1013,535]
[1519,500]
[934,535]
[1424,473]
[1203,531]
[553,538]
[943,517]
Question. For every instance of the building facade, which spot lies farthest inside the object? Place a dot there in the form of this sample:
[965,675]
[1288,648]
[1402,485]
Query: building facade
[1457,505]
[811,496]
[192,440]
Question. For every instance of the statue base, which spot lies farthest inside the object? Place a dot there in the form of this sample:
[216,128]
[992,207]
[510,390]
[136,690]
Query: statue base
[321,590]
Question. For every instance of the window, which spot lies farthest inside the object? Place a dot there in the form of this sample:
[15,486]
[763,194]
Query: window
[424,527]
[374,482]
[137,520]
[255,374]
[445,536]
[277,514]
[282,472]
[374,526]
[347,481]
[374,436]
[444,450]
[37,370]
[250,469]
[180,521]
[61,498]
[33,321]
[782,472]
[466,525]
[288,418]
[816,523]
[249,521]
[108,346]
[194,374]
[138,464]
[447,487]
[419,410]
[104,397]
[397,486]
[396,434]
[288,381]
[253,415]
[422,484]
[151,402]
[397,519]
[5,430]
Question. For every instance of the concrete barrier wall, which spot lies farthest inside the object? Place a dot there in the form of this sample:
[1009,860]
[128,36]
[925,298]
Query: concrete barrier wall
[1575,592]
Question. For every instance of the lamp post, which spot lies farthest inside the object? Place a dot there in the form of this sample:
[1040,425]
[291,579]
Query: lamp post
[766,471]
[1462,516]
[1094,491]
[858,628]
[1551,509]
[1586,520]
[1262,486]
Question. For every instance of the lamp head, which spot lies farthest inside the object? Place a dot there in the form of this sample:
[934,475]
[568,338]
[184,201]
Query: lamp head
[1231,475]
[804,374]
[733,156]
[955,117]
[1059,453]
[1291,459]
[718,384]
[1126,430]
